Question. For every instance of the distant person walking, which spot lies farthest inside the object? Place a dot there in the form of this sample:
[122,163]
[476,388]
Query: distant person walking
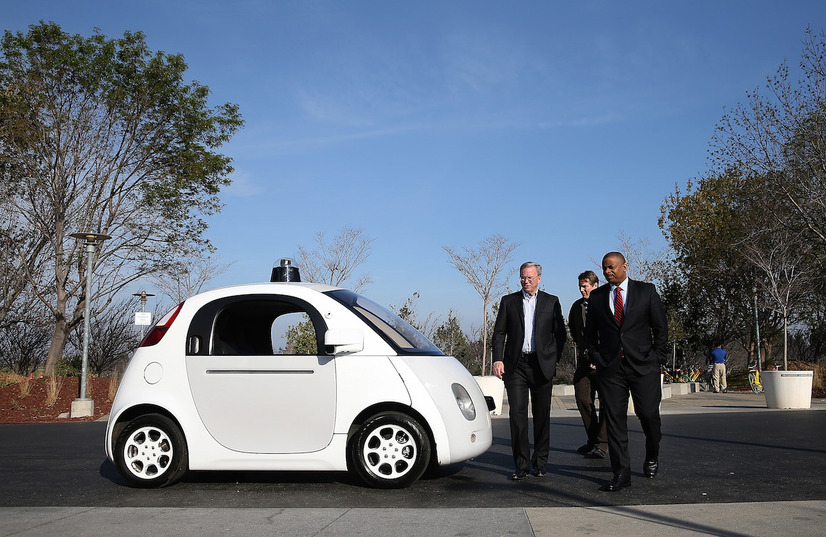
[585,376]
[717,358]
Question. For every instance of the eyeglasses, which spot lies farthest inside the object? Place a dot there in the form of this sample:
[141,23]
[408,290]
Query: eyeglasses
[526,279]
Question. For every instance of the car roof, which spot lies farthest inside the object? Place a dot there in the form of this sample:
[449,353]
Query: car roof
[270,287]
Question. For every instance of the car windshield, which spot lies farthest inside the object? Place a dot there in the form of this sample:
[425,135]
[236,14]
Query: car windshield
[390,326]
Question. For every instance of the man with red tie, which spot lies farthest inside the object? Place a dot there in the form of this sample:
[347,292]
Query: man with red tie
[627,333]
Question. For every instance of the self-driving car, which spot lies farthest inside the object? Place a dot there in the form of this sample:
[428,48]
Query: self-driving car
[288,375]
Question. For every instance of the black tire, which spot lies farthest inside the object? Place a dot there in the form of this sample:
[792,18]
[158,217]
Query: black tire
[151,452]
[391,450]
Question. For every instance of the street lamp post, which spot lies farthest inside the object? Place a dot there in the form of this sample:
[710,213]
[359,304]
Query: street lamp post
[143,295]
[756,328]
[83,406]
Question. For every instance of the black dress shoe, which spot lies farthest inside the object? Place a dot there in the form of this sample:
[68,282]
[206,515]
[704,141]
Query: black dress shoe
[618,483]
[519,475]
[650,467]
[582,450]
[596,453]
[539,473]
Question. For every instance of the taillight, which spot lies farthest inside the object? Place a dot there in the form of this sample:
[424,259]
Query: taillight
[157,332]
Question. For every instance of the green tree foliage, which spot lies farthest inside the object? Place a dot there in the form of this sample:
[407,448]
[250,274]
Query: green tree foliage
[775,145]
[708,292]
[452,341]
[301,338]
[407,310]
[103,135]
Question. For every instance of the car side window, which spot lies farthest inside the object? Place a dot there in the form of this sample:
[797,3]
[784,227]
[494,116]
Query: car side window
[294,333]
[257,325]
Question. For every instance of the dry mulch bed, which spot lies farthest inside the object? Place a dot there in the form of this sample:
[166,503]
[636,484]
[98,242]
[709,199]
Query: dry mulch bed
[15,407]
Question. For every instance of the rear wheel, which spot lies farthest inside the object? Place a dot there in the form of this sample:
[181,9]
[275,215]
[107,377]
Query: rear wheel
[151,452]
[391,450]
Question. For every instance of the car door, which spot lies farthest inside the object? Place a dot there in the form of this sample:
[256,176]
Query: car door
[254,390]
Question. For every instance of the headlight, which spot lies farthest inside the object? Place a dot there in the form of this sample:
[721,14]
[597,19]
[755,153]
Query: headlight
[464,401]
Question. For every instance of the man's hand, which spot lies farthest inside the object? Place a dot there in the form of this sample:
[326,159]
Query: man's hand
[498,369]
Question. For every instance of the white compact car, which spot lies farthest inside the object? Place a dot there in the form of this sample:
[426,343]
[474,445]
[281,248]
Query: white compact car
[216,385]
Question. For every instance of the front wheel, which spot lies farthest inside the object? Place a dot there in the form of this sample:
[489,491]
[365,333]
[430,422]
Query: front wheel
[151,452]
[391,450]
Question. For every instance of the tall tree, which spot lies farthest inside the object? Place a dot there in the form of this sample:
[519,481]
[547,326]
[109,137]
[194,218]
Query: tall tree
[779,135]
[102,135]
[785,261]
[708,290]
[486,268]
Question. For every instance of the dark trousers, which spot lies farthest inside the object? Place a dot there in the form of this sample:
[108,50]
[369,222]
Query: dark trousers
[646,392]
[527,380]
[585,393]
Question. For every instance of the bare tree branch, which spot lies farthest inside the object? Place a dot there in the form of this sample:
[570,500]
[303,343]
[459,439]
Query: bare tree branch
[485,268]
[335,263]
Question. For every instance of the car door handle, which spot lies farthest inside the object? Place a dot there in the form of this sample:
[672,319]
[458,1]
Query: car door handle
[259,371]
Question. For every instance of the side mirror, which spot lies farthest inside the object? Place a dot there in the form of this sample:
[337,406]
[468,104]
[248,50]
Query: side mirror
[343,340]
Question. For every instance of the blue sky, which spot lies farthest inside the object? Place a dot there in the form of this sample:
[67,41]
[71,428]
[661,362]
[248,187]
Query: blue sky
[438,123]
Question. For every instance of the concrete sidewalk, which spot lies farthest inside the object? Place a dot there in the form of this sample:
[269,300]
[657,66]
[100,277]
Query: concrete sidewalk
[799,519]
[689,403]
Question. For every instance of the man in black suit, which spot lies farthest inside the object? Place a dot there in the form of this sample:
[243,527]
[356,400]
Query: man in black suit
[585,375]
[528,339]
[627,333]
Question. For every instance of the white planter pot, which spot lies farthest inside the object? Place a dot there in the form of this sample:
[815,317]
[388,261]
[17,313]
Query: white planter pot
[787,389]
[494,387]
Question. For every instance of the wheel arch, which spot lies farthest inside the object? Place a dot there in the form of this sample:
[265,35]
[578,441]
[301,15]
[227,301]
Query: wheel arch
[141,410]
[379,408]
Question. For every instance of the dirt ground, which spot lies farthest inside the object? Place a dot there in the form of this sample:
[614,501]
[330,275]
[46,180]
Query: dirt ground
[17,406]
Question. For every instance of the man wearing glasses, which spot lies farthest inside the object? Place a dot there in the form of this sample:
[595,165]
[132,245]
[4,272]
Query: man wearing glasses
[528,339]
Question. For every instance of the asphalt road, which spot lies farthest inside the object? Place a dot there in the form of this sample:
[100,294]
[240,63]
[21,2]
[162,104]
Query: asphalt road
[760,456]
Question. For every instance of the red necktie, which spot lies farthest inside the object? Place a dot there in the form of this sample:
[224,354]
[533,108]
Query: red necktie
[618,312]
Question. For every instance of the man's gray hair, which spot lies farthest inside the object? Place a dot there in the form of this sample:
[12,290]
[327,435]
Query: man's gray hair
[529,264]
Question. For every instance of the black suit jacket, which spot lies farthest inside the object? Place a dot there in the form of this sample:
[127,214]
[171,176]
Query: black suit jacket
[576,324]
[643,337]
[549,332]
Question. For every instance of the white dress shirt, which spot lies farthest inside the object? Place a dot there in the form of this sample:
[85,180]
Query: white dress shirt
[529,307]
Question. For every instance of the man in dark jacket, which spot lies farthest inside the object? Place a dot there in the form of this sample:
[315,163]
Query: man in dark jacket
[627,332]
[528,339]
[585,375]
